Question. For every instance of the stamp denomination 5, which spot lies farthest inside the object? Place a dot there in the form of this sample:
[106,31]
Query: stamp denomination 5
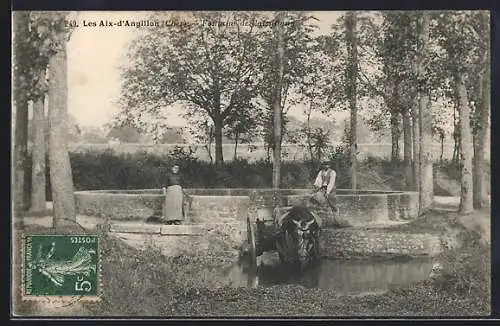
[61,266]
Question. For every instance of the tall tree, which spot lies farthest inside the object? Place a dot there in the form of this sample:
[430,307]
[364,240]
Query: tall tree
[298,46]
[38,200]
[61,178]
[415,117]
[480,196]
[398,54]
[204,68]
[280,54]
[21,78]
[351,89]
[40,40]
[456,38]
[466,146]
[479,24]
[426,188]
[408,149]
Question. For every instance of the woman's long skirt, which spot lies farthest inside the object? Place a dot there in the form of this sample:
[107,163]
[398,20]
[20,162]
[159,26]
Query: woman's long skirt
[173,209]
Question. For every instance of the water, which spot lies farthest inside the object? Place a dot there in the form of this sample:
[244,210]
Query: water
[343,276]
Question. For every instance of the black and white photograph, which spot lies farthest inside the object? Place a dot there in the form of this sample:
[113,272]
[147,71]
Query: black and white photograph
[206,164]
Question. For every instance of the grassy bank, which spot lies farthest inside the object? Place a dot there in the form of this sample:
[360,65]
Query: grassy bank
[145,283]
[177,287]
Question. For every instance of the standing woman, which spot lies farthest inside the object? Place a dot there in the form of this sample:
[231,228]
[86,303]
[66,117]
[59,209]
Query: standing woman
[173,209]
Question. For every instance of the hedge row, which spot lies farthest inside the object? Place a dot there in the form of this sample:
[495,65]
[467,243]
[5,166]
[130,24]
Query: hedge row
[107,170]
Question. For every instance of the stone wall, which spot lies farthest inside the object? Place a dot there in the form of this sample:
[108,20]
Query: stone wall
[360,242]
[219,239]
[118,206]
[225,239]
[217,209]
[219,205]
[368,209]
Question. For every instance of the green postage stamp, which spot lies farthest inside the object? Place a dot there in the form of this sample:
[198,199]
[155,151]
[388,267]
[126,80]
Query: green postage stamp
[64,266]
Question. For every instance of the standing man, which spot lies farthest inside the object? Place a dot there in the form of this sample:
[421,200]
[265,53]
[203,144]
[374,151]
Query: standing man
[324,186]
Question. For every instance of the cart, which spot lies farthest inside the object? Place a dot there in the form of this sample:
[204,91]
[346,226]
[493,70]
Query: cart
[263,229]
[261,233]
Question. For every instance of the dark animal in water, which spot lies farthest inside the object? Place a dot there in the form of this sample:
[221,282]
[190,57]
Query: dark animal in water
[298,239]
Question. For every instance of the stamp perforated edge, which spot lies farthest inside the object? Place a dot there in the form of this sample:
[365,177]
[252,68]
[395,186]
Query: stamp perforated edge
[68,299]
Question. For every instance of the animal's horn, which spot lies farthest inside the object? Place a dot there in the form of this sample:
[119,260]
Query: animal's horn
[296,222]
[308,224]
[284,215]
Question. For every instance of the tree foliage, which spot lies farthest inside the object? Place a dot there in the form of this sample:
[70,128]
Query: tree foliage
[45,35]
[206,69]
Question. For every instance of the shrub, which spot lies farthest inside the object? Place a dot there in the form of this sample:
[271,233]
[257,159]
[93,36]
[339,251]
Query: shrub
[467,268]
[141,170]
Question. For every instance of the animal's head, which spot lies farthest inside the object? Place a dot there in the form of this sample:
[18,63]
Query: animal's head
[301,219]
[303,227]
[306,234]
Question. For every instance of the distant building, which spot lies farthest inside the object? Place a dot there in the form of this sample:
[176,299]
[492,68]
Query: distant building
[113,142]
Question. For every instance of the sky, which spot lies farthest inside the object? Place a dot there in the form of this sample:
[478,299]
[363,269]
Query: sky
[94,56]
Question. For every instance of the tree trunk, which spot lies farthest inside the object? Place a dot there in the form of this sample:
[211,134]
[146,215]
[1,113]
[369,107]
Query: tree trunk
[416,146]
[209,142]
[456,135]
[20,154]
[407,149]
[426,188]
[21,21]
[441,138]
[277,111]
[235,147]
[308,128]
[61,178]
[466,147]
[426,173]
[219,158]
[480,197]
[352,76]
[208,148]
[38,202]
[395,134]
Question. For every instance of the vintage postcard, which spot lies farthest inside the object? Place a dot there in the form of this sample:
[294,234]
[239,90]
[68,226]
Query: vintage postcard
[237,163]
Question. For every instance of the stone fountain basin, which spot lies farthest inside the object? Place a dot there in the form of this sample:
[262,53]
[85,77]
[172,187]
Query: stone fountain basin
[218,205]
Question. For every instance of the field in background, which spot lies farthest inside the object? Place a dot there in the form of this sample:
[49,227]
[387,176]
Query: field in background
[252,152]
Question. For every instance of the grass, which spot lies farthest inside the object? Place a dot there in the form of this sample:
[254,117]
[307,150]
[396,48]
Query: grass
[434,221]
[178,286]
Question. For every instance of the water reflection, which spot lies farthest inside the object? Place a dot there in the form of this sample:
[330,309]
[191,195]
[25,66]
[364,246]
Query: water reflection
[344,276]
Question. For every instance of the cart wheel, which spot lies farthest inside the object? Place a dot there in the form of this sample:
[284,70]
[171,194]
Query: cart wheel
[251,242]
